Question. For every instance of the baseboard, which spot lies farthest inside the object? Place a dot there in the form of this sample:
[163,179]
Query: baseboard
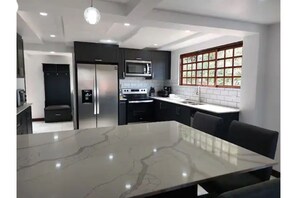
[37,119]
[275,173]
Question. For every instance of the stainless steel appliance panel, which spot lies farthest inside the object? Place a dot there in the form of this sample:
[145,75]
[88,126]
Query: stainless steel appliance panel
[107,95]
[86,83]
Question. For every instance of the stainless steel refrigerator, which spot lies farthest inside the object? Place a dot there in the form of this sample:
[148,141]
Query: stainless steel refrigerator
[97,95]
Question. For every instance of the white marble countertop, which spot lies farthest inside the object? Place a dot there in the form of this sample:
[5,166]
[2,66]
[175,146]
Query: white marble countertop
[23,107]
[206,107]
[125,161]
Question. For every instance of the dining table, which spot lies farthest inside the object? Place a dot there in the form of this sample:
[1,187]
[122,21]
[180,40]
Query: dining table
[137,160]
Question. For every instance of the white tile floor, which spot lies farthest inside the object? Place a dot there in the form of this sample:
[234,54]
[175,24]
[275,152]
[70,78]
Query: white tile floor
[42,127]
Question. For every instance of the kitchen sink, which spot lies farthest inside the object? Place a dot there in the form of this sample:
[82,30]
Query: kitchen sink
[191,102]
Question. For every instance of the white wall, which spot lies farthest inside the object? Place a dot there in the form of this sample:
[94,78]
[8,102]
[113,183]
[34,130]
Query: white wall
[35,80]
[221,96]
[259,96]
[271,102]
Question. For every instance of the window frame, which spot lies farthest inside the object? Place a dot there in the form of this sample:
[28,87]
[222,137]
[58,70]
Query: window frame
[216,59]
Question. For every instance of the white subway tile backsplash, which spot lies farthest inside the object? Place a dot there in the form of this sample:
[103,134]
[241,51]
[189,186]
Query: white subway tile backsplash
[221,96]
[232,93]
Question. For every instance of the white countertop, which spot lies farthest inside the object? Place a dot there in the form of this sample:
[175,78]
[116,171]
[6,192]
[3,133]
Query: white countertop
[23,107]
[125,161]
[206,107]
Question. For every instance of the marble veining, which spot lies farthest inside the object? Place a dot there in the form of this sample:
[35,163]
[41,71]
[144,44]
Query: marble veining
[125,161]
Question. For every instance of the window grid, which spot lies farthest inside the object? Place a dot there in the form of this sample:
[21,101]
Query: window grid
[208,71]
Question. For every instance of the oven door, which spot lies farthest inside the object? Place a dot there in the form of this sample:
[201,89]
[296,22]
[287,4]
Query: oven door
[138,68]
[140,111]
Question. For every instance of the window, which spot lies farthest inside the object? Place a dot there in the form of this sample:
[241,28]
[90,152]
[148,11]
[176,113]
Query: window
[215,67]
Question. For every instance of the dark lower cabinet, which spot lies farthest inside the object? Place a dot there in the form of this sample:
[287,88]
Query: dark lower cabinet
[122,112]
[166,111]
[24,122]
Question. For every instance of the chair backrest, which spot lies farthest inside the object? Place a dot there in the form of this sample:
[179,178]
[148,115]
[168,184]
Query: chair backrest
[257,139]
[267,189]
[208,123]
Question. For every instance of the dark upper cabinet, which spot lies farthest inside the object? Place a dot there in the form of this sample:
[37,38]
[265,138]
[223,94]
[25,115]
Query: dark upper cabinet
[20,57]
[136,54]
[121,63]
[96,52]
[161,64]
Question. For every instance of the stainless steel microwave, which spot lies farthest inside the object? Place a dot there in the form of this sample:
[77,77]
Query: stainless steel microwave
[138,68]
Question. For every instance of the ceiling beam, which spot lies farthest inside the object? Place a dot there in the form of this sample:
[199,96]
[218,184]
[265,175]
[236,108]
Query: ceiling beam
[140,8]
[208,22]
[25,25]
[168,45]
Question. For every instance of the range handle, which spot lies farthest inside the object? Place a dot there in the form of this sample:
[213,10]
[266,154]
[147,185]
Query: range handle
[141,101]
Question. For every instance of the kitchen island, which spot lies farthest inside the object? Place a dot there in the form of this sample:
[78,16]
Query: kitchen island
[125,161]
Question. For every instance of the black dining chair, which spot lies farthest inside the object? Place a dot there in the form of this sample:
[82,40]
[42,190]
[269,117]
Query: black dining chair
[267,189]
[257,139]
[208,123]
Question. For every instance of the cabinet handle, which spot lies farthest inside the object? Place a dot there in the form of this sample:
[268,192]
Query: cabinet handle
[123,74]
[138,58]
[160,105]
[98,60]
[58,114]
[153,75]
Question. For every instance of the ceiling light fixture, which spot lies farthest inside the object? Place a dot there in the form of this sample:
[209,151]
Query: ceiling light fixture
[126,24]
[92,15]
[52,52]
[52,35]
[43,13]
[188,31]
[155,44]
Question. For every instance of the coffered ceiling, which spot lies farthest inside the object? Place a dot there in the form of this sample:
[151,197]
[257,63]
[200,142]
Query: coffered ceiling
[161,24]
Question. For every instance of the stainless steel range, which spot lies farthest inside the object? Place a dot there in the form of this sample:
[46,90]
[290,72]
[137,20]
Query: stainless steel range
[140,106]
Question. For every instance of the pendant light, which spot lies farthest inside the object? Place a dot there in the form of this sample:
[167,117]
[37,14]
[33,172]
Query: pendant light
[92,15]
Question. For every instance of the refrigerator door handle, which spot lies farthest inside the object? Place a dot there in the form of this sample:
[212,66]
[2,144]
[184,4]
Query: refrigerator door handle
[98,101]
[94,96]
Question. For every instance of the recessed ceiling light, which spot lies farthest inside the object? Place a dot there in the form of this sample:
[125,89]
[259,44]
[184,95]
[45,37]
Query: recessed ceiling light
[43,13]
[52,35]
[155,44]
[52,52]
[107,41]
[126,24]
[188,31]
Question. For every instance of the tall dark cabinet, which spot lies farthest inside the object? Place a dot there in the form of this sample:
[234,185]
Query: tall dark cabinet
[57,93]
[20,57]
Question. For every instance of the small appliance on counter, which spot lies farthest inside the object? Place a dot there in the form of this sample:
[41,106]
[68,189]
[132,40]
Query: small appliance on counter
[152,92]
[21,97]
[164,92]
